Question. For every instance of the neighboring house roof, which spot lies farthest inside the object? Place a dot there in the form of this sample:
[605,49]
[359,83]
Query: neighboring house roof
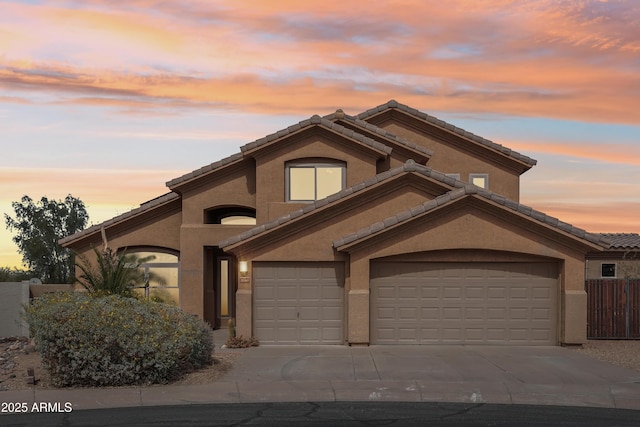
[622,241]
[458,193]
[144,207]
[461,189]
[448,126]
[409,166]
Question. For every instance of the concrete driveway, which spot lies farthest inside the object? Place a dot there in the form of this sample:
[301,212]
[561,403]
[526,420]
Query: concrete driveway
[492,374]
[473,375]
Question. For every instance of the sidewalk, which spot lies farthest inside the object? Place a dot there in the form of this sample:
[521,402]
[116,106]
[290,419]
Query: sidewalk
[473,374]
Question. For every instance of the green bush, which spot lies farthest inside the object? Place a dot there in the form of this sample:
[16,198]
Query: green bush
[113,340]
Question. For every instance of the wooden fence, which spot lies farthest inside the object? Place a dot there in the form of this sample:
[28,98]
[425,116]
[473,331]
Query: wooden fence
[613,308]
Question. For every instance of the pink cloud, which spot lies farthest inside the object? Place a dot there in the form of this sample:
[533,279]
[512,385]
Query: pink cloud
[611,152]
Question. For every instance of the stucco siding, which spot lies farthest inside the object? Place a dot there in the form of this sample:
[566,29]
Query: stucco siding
[451,159]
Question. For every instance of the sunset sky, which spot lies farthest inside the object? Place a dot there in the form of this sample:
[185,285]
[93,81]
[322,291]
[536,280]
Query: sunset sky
[109,100]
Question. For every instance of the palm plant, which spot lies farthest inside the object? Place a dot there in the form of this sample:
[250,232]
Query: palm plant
[112,273]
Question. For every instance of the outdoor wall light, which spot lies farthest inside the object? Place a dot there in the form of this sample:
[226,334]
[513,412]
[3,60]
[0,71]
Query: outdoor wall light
[243,267]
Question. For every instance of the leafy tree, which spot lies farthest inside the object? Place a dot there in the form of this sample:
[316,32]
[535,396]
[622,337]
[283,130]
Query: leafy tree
[8,274]
[112,273]
[39,226]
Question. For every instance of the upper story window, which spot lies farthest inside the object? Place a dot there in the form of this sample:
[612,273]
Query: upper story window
[306,182]
[234,215]
[479,179]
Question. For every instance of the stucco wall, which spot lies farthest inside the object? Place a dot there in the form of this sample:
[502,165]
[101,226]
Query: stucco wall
[270,170]
[472,229]
[313,238]
[232,186]
[13,295]
[450,159]
[624,267]
[481,230]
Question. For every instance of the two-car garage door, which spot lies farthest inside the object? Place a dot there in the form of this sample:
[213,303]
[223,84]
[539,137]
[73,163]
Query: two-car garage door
[455,303]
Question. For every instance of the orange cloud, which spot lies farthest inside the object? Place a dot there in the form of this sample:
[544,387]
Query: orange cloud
[539,59]
[596,218]
[611,152]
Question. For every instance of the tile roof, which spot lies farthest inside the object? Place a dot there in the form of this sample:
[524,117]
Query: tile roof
[458,193]
[340,115]
[314,120]
[205,169]
[317,120]
[408,166]
[146,206]
[622,240]
[448,126]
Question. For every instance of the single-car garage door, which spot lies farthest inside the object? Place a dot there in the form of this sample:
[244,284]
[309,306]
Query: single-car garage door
[463,303]
[298,302]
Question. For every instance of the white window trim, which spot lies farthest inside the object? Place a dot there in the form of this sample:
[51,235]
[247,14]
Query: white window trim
[313,165]
[480,175]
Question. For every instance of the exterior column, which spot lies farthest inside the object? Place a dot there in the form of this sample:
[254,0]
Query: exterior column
[574,304]
[244,306]
[358,302]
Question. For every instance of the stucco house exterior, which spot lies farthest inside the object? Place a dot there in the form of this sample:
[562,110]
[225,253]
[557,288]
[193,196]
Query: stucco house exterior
[389,227]
[619,261]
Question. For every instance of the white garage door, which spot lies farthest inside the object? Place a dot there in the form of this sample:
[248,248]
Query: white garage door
[463,303]
[298,302]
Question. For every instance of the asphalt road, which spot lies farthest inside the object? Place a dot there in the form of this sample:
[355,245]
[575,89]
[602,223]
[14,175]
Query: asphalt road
[334,414]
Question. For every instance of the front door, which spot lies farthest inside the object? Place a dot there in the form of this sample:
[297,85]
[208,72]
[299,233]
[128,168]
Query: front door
[226,285]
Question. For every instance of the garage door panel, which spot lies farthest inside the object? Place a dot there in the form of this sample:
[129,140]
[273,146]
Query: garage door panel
[452,292]
[491,303]
[308,303]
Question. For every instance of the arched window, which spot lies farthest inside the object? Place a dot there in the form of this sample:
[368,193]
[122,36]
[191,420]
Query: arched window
[233,215]
[161,272]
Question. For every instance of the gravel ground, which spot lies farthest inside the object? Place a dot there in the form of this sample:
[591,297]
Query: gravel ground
[19,354]
[625,353]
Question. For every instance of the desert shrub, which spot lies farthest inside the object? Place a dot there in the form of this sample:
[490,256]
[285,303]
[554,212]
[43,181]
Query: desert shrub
[240,342]
[113,340]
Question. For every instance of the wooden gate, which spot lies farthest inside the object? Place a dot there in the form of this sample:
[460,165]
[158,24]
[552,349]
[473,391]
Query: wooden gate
[613,308]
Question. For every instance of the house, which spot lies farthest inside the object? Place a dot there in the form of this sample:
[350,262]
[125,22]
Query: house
[620,260]
[389,227]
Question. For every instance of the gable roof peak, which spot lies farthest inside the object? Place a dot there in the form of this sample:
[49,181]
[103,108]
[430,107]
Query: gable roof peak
[410,165]
[470,190]
[393,104]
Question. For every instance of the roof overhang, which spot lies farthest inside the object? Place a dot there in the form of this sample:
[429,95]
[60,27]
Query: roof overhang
[443,131]
[410,174]
[523,216]
[159,206]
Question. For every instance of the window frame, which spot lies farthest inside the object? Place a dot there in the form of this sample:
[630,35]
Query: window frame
[217,215]
[615,270]
[485,176]
[315,166]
